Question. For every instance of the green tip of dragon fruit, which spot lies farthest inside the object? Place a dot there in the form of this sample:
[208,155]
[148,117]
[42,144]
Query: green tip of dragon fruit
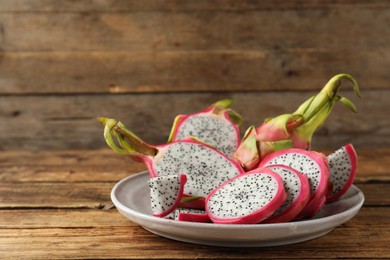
[297,129]
[316,109]
[122,140]
[224,105]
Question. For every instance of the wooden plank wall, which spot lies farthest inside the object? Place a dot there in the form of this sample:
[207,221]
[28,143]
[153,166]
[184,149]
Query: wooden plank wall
[64,63]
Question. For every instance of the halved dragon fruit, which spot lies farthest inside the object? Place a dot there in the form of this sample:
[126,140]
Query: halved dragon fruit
[246,199]
[216,126]
[165,193]
[342,166]
[311,164]
[297,187]
[205,167]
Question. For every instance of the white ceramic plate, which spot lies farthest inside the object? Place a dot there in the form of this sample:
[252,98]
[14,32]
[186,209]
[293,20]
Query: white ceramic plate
[131,198]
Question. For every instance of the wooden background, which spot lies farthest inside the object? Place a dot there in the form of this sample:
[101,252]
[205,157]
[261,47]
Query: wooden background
[64,63]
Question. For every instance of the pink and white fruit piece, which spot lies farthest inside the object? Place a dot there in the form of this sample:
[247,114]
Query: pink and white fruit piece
[342,166]
[297,188]
[313,165]
[192,202]
[217,126]
[205,167]
[165,193]
[246,199]
[191,215]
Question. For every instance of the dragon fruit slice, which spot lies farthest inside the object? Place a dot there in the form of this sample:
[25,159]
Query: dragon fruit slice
[246,199]
[297,187]
[295,130]
[191,215]
[205,167]
[342,166]
[165,193]
[313,165]
[192,202]
[216,126]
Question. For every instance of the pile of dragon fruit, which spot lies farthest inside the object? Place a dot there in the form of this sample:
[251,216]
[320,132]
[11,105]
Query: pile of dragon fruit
[207,172]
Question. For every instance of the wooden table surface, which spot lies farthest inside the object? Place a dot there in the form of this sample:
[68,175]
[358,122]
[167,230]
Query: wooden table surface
[56,204]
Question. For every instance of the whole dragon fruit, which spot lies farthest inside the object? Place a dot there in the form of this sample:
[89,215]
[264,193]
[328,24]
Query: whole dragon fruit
[297,188]
[342,166]
[166,193]
[205,167]
[292,130]
[313,165]
[216,126]
[246,199]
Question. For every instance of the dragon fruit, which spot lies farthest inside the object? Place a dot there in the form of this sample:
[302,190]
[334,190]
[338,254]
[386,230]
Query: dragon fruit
[205,167]
[191,215]
[293,130]
[166,193]
[297,187]
[246,199]
[216,126]
[192,202]
[342,166]
[311,164]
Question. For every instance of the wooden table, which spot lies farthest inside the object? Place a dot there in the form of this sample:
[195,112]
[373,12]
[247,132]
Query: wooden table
[56,204]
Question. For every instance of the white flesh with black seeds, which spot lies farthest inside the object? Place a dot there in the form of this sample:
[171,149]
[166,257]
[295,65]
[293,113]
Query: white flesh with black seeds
[243,196]
[340,167]
[164,192]
[211,129]
[292,186]
[205,168]
[303,164]
[186,210]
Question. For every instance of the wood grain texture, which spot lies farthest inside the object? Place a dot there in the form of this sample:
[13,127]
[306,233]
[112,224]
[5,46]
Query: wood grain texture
[65,63]
[175,5]
[69,122]
[116,47]
[131,241]
[190,71]
[217,30]
[56,215]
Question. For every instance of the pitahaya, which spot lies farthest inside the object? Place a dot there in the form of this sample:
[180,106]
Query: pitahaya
[297,187]
[165,193]
[205,167]
[191,215]
[216,126]
[342,166]
[293,130]
[192,202]
[311,164]
[246,199]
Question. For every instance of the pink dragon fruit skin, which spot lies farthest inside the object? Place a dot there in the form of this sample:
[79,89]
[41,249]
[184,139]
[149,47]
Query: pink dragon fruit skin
[342,166]
[192,202]
[295,130]
[192,215]
[297,187]
[246,199]
[311,164]
[205,167]
[218,126]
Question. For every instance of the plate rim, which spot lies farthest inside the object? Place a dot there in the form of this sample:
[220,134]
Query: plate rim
[121,207]
[191,232]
